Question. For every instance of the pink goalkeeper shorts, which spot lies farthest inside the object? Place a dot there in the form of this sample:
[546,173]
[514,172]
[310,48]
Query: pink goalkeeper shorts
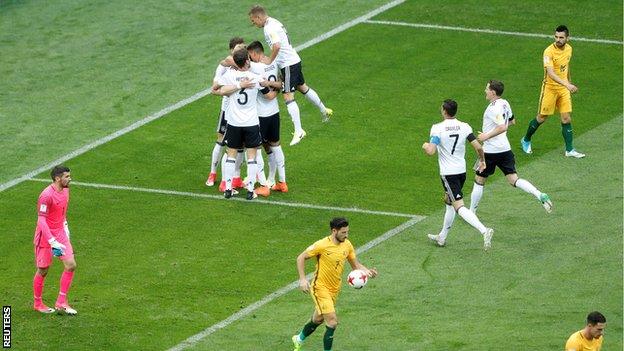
[43,254]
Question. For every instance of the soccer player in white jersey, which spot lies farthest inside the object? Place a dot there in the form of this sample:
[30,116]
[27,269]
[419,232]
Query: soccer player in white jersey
[243,128]
[496,119]
[219,144]
[289,63]
[449,139]
[268,113]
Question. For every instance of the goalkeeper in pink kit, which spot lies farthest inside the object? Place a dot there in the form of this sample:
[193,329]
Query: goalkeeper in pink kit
[52,239]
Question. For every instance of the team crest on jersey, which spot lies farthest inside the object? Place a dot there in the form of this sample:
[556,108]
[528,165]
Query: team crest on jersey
[43,208]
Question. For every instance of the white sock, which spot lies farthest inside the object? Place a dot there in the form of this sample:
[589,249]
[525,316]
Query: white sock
[472,219]
[223,160]
[252,168]
[228,172]
[313,97]
[260,168]
[475,197]
[216,155]
[272,166]
[280,161]
[239,160]
[293,110]
[449,217]
[528,187]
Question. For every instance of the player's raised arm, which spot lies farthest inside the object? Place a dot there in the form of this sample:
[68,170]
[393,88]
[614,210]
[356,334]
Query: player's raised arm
[276,85]
[275,48]
[229,89]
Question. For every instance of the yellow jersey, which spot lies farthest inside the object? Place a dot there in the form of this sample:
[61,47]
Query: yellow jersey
[559,60]
[330,259]
[577,342]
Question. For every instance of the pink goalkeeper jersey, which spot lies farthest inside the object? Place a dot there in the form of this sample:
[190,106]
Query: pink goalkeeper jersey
[52,210]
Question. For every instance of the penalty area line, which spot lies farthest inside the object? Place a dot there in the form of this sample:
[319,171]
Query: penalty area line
[191,341]
[489,31]
[220,197]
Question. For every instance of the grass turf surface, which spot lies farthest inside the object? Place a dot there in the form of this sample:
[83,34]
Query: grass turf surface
[359,159]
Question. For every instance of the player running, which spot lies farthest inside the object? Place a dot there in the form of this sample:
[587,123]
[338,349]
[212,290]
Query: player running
[330,254]
[496,119]
[52,239]
[449,139]
[289,63]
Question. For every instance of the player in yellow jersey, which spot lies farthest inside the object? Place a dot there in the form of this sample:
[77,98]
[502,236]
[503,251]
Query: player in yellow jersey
[330,253]
[556,92]
[590,337]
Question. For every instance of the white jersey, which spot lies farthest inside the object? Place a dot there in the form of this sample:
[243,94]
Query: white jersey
[497,113]
[450,137]
[242,108]
[218,73]
[266,107]
[274,32]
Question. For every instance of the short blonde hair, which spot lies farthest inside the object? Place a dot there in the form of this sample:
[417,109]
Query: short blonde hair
[257,10]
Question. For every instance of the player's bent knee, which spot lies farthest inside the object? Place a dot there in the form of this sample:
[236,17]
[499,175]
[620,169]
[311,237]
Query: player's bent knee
[332,323]
[42,271]
[70,266]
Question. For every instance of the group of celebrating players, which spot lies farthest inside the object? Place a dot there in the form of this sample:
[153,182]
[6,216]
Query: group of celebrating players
[248,82]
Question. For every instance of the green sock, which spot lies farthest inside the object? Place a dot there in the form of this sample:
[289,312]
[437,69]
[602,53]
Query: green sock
[308,329]
[533,125]
[568,136]
[328,338]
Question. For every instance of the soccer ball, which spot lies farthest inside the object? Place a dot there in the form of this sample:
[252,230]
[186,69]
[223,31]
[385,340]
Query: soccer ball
[357,279]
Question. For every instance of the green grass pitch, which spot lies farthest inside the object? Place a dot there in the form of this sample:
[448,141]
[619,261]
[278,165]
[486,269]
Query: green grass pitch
[155,269]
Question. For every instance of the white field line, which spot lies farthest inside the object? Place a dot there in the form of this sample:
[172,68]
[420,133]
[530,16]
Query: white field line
[191,341]
[489,31]
[181,103]
[220,197]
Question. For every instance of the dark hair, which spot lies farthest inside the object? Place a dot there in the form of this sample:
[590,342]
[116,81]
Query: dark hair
[235,41]
[255,46]
[563,28]
[58,171]
[450,106]
[257,10]
[497,86]
[240,57]
[595,318]
[338,222]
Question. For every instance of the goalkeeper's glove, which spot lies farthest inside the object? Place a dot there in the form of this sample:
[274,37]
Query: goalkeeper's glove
[57,248]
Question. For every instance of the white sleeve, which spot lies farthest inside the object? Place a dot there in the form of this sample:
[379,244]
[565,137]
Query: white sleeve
[225,79]
[499,115]
[271,34]
[219,72]
[509,112]
[434,135]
